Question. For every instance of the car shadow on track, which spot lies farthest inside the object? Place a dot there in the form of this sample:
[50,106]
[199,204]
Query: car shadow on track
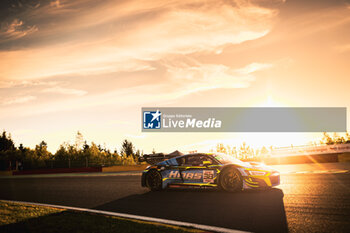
[256,211]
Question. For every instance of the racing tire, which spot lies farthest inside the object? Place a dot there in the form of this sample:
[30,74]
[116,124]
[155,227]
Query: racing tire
[154,180]
[230,180]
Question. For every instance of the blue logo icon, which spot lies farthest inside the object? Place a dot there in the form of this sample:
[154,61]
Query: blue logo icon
[151,119]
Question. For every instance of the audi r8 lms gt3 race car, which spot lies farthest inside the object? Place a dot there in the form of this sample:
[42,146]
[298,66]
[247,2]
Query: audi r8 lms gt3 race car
[214,170]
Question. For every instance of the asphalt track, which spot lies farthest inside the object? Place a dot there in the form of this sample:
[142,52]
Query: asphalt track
[310,199]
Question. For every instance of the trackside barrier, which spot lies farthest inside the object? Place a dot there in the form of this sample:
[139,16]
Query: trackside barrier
[124,168]
[344,157]
[6,173]
[76,170]
[297,159]
[58,170]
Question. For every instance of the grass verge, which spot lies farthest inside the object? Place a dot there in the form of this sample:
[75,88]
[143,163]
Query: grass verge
[15,217]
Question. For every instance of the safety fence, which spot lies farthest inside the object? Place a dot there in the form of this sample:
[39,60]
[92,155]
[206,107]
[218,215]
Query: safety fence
[67,163]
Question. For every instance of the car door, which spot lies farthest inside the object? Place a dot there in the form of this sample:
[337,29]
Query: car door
[209,170]
[171,172]
[197,171]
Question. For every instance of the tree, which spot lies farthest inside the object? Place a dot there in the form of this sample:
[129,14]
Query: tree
[99,148]
[94,150]
[22,152]
[127,148]
[8,154]
[85,146]
[327,139]
[244,151]
[21,148]
[337,139]
[61,153]
[347,135]
[137,155]
[43,145]
[6,142]
[221,148]
[41,150]
[79,141]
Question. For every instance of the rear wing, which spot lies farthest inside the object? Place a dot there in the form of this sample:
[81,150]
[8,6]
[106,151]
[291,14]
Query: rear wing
[153,159]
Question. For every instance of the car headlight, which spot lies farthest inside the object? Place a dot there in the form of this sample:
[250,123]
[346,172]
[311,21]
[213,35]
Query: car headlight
[257,173]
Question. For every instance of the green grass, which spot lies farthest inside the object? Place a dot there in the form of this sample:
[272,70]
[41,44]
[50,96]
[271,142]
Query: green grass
[16,217]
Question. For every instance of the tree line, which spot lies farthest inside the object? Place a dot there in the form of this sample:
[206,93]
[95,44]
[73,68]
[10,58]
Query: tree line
[335,139]
[78,154]
[244,151]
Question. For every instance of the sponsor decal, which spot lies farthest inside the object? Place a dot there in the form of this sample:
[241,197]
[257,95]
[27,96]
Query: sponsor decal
[185,175]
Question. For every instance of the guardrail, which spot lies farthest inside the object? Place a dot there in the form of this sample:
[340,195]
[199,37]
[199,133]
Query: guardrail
[311,150]
[58,170]
[76,170]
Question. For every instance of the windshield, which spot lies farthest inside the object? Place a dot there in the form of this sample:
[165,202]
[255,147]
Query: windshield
[226,159]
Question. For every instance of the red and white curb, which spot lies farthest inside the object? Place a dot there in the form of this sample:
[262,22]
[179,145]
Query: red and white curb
[137,217]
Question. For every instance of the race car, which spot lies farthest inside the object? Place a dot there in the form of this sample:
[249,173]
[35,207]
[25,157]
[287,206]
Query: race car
[206,170]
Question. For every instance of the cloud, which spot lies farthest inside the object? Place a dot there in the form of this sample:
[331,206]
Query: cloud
[204,77]
[195,26]
[102,43]
[56,3]
[253,67]
[64,91]
[15,30]
[17,100]
[25,83]
[111,36]
[7,84]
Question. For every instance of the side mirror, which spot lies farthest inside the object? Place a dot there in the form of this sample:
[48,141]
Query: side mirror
[206,163]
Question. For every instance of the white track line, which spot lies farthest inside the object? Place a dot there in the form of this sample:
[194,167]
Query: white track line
[138,217]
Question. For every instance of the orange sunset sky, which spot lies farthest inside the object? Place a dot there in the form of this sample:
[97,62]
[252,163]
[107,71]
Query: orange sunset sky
[91,65]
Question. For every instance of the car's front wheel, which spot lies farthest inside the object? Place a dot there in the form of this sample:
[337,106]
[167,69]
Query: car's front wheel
[230,180]
[154,180]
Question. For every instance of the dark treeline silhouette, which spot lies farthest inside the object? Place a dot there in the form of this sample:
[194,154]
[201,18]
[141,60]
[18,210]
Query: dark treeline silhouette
[79,154]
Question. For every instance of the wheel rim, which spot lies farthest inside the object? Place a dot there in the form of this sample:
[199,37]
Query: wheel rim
[153,180]
[231,181]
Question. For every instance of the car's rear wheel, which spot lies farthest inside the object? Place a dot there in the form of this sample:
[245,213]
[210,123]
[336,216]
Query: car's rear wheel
[154,180]
[230,180]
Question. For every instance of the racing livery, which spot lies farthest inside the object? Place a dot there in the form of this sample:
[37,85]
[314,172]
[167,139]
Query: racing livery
[213,170]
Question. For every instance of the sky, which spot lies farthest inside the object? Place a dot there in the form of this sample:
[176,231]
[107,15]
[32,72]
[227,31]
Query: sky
[89,66]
